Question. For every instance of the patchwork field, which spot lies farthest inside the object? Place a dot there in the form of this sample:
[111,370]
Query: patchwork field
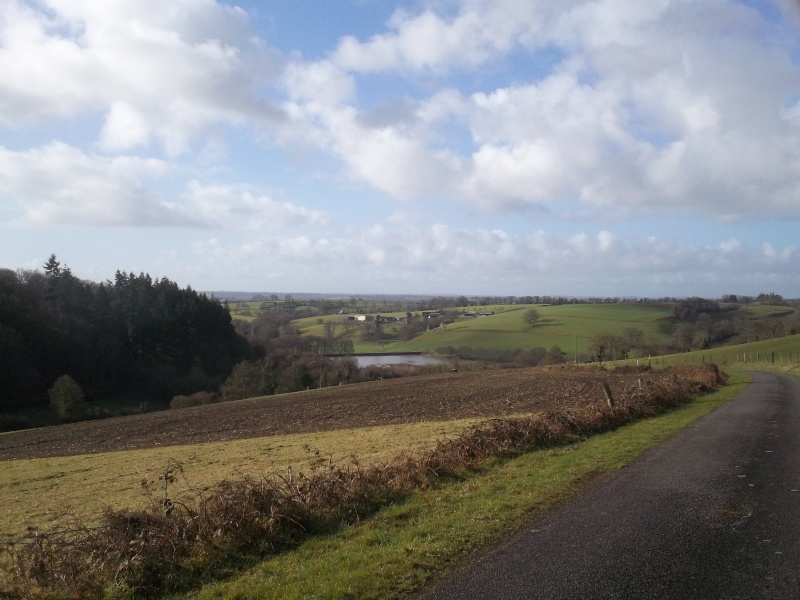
[478,394]
[567,326]
[82,467]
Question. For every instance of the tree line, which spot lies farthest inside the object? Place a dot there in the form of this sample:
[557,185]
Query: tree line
[697,324]
[285,361]
[86,349]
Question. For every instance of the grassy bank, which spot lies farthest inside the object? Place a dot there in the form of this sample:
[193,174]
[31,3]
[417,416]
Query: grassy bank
[781,354]
[410,542]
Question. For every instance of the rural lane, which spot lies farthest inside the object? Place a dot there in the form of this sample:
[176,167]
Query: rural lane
[712,513]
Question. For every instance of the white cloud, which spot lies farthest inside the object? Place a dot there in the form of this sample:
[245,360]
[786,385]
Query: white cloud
[599,24]
[429,41]
[320,82]
[444,259]
[731,245]
[125,127]
[61,185]
[239,207]
[673,105]
[393,160]
[392,157]
[159,72]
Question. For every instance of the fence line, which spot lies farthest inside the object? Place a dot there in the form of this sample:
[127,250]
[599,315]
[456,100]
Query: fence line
[768,357]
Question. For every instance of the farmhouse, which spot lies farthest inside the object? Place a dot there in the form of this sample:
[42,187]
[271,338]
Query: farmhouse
[432,314]
[370,318]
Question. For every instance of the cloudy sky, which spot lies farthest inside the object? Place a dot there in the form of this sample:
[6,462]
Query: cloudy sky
[578,147]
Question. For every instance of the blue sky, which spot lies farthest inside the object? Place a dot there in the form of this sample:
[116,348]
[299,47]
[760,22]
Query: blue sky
[594,147]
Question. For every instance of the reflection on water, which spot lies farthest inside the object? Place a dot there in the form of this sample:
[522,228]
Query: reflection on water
[398,359]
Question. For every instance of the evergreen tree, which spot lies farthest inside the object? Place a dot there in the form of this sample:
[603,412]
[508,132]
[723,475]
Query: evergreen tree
[52,268]
[130,337]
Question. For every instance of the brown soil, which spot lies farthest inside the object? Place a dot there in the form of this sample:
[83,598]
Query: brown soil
[491,393]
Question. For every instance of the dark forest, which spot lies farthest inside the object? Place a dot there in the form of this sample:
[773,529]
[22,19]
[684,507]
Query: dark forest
[133,339]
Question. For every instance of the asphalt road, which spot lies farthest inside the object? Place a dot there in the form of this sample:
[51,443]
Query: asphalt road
[712,513]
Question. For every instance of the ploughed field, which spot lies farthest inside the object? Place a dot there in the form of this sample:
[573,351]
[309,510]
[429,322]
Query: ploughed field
[442,397]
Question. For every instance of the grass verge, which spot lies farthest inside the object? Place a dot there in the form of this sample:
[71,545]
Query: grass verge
[408,543]
[780,355]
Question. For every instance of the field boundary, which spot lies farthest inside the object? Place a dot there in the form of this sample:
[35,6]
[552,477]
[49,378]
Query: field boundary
[409,543]
[174,545]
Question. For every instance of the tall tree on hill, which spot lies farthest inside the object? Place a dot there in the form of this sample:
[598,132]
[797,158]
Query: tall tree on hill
[52,268]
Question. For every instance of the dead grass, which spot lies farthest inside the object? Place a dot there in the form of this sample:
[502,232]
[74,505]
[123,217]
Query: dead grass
[44,493]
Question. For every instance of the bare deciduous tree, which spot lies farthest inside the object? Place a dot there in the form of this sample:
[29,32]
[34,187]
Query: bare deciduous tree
[531,317]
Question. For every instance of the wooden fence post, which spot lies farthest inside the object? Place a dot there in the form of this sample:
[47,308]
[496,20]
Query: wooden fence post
[609,397]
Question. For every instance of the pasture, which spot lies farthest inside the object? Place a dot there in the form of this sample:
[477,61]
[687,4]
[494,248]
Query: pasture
[569,326]
[777,354]
[564,325]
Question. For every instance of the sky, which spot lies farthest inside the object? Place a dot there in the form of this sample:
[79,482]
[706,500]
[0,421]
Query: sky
[486,147]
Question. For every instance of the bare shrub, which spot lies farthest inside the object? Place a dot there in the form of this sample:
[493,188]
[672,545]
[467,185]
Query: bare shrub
[14,422]
[67,399]
[196,399]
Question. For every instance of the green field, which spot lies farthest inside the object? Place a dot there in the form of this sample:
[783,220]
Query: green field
[246,311]
[565,326]
[569,326]
[778,354]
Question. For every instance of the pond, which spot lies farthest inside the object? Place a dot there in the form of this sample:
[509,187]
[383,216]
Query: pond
[382,360]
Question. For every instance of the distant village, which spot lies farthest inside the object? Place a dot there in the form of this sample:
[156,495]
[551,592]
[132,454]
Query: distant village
[434,314]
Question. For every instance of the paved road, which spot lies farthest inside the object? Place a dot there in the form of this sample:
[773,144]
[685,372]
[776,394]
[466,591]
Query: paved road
[712,513]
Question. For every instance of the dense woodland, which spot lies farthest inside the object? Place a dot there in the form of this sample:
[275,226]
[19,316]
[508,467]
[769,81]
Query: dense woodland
[137,343]
[134,339]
